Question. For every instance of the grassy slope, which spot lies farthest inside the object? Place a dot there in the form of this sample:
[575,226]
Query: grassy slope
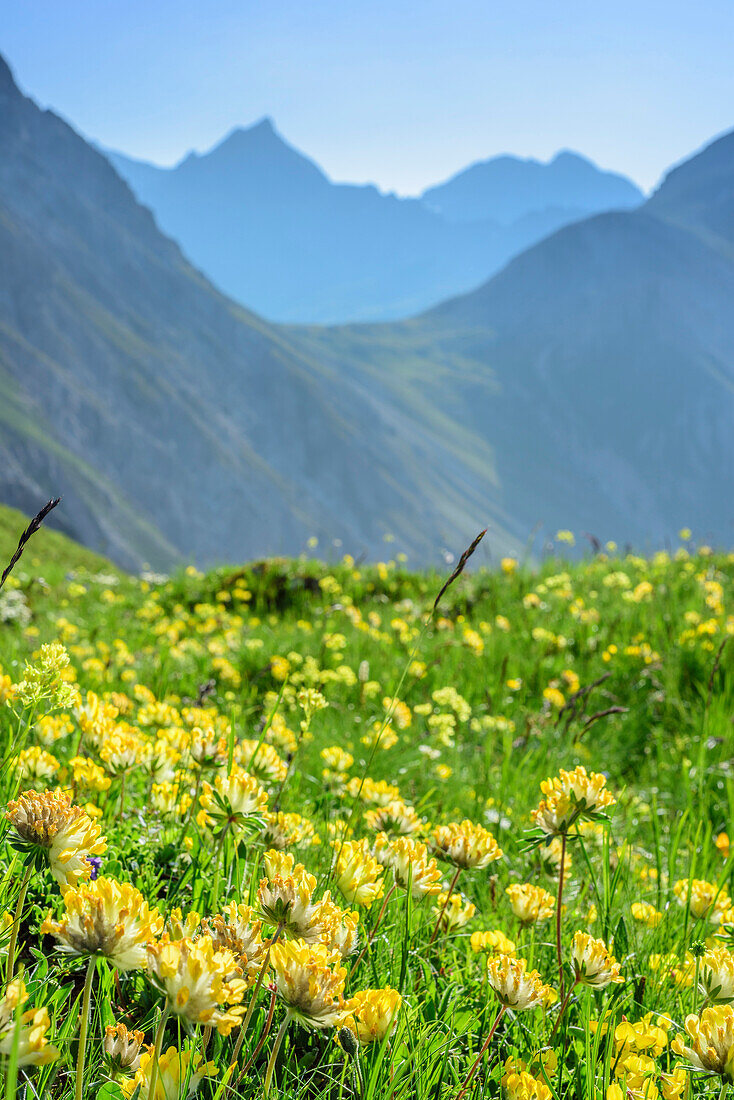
[48,554]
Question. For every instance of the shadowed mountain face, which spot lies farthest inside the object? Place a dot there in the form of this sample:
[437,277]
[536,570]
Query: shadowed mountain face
[600,365]
[270,229]
[175,423]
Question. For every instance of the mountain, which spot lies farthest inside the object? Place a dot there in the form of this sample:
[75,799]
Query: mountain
[271,229]
[600,364]
[507,189]
[175,424]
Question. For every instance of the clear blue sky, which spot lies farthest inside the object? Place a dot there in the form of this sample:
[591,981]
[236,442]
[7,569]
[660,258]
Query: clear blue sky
[402,94]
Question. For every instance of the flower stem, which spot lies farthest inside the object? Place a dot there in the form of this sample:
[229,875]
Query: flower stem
[485,1047]
[83,1027]
[559,906]
[16,924]
[274,1053]
[562,1009]
[157,1051]
[443,910]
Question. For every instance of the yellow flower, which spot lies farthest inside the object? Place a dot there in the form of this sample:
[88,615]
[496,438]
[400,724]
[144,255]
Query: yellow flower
[457,913]
[310,980]
[44,681]
[196,979]
[122,1048]
[286,902]
[712,1041]
[378,793]
[284,830]
[495,943]
[374,1014]
[30,1041]
[508,566]
[592,963]
[705,899]
[412,867]
[515,986]
[106,918]
[465,845]
[179,1074]
[646,914]
[530,903]
[35,763]
[570,796]
[358,874]
[520,1085]
[395,817]
[235,929]
[87,775]
[233,801]
[47,825]
[723,844]
[716,975]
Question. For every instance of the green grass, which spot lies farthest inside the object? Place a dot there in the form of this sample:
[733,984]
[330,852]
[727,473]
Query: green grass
[522,650]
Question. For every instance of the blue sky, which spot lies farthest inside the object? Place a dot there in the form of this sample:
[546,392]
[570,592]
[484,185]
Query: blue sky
[401,94]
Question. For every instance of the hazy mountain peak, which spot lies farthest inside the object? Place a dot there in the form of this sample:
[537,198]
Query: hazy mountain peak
[507,188]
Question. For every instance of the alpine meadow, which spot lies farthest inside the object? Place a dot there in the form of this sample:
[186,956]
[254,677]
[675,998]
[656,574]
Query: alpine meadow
[367,551]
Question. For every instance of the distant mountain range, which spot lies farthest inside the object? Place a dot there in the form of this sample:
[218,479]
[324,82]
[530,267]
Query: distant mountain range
[589,384]
[269,228]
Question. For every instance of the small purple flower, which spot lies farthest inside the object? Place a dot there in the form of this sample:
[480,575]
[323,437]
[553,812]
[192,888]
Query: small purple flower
[96,862]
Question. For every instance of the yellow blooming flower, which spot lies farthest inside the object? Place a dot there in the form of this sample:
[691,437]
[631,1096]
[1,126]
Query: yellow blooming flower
[716,976]
[592,963]
[530,903]
[495,943]
[723,845]
[457,912]
[232,801]
[465,845]
[646,914]
[286,902]
[310,980]
[177,1070]
[236,929]
[412,866]
[521,1085]
[711,1037]
[122,1049]
[47,825]
[705,899]
[43,681]
[284,830]
[570,796]
[395,817]
[374,1014]
[196,979]
[32,1045]
[106,918]
[36,764]
[515,986]
[358,874]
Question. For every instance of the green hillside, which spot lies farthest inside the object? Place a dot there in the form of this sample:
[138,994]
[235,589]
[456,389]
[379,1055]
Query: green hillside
[48,553]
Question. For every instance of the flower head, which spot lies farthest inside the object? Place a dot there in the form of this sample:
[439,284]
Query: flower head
[48,826]
[453,912]
[30,1041]
[310,980]
[716,975]
[177,1070]
[592,963]
[122,1048]
[358,874]
[493,943]
[711,1037]
[196,978]
[235,929]
[465,845]
[530,903]
[106,918]
[515,986]
[234,801]
[705,899]
[43,680]
[374,1014]
[412,866]
[570,796]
